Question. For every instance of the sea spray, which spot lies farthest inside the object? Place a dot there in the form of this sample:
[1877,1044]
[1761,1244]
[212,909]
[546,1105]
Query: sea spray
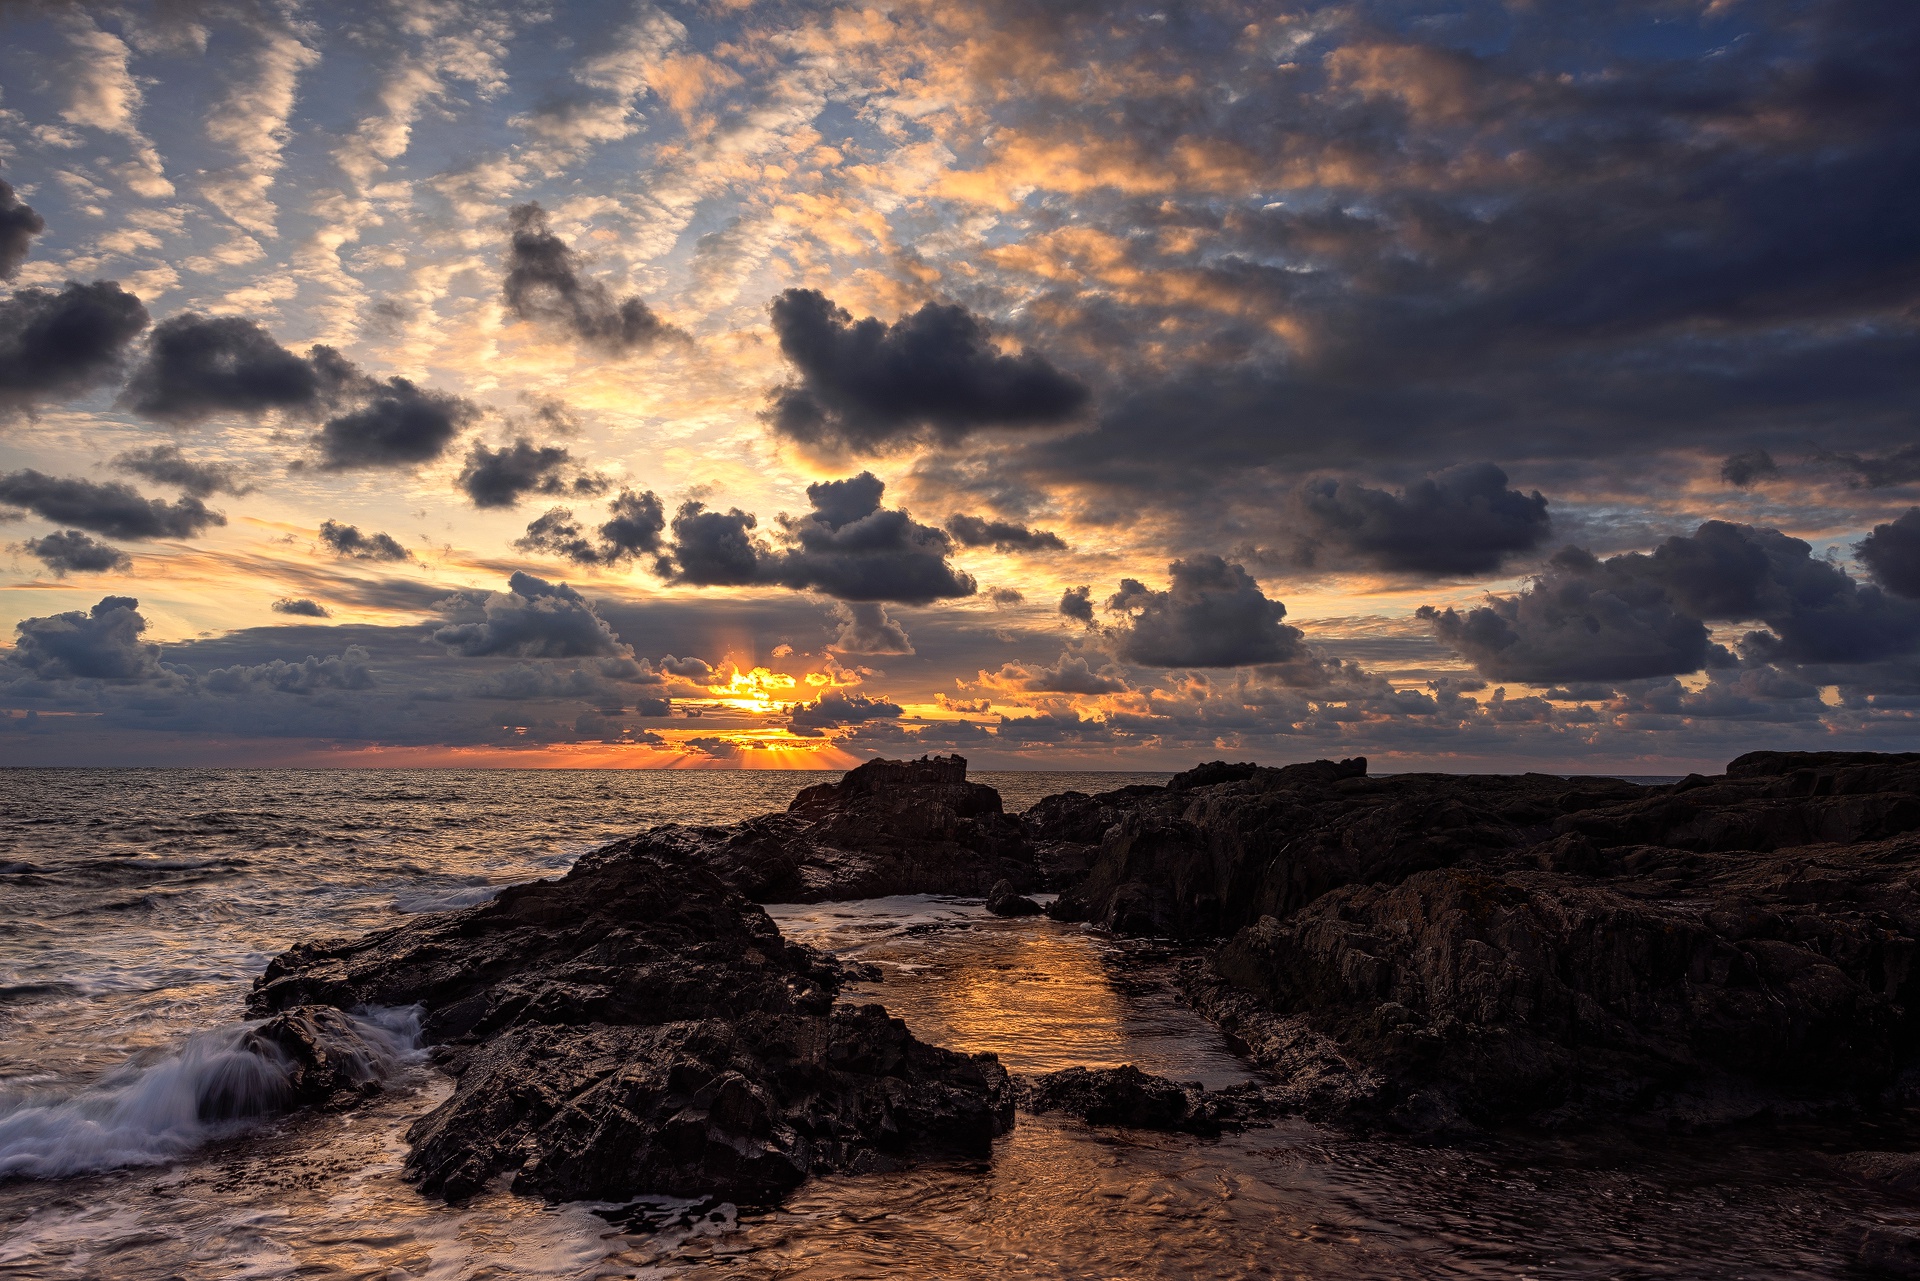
[154,1109]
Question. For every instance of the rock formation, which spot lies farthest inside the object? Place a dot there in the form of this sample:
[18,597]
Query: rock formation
[640,1026]
[1450,949]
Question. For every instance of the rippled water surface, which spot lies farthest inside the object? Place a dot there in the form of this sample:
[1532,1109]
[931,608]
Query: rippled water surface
[136,906]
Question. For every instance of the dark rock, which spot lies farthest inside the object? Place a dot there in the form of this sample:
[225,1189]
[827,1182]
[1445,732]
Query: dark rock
[1112,1096]
[742,1111]
[326,1057]
[639,1026]
[887,827]
[1002,900]
[1441,951]
[1884,1249]
[1897,1170]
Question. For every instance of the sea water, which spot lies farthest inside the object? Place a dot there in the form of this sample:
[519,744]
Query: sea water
[138,1139]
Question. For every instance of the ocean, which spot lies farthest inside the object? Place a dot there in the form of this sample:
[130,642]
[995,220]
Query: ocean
[136,906]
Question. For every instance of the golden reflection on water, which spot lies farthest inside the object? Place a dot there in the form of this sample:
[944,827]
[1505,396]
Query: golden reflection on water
[1042,1003]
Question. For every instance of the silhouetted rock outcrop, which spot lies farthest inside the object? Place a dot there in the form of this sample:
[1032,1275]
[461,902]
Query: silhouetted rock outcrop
[1447,949]
[639,1026]
[887,827]
[1002,900]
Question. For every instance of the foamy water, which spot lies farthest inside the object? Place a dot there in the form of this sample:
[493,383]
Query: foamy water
[139,1139]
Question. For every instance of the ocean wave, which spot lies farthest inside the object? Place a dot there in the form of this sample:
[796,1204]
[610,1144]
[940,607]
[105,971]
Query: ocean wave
[441,899]
[153,1110]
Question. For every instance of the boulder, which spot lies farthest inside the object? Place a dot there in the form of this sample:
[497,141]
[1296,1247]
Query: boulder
[1003,900]
[640,1026]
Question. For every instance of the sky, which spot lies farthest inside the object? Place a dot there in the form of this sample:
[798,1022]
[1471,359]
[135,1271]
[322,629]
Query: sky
[723,383]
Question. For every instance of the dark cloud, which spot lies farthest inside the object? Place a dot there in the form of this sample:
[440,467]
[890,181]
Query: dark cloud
[56,345]
[1463,520]
[852,548]
[19,224]
[1891,553]
[1077,603]
[102,644]
[1006,595]
[1069,674]
[868,385]
[534,618]
[1901,467]
[632,529]
[543,284]
[837,707]
[348,541]
[715,549]
[1748,468]
[865,629]
[1644,614]
[302,607]
[198,366]
[1212,614]
[110,508]
[166,465]
[343,671]
[502,477]
[69,551]
[398,425]
[1002,535]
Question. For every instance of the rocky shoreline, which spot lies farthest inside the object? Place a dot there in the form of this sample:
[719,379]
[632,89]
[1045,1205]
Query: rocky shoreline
[1432,953]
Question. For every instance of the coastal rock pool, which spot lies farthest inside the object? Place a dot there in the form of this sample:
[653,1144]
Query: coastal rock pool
[138,906]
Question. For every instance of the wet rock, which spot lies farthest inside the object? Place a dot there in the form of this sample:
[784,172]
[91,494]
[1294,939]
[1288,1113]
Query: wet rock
[327,1058]
[1884,1250]
[1003,900]
[1443,951]
[1899,1170]
[1113,1096]
[742,1111]
[640,1026]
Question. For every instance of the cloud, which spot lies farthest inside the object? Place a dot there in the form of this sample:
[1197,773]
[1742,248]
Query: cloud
[166,465]
[866,629]
[19,224]
[837,707]
[110,508]
[1901,467]
[102,644]
[348,541]
[71,552]
[1568,627]
[1002,535]
[715,549]
[1891,553]
[1070,674]
[346,670]
[852,548]
[198,366]
[1749,468]
[1644,614]
[866,385]
[543,284]
[399,425]
[1077,603]
[632,529]
[301,607]
[57,345]
[1463,520]
[500,478]
[1212,614]
[534,618]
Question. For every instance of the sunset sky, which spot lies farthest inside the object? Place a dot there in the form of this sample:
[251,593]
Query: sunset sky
[722,383]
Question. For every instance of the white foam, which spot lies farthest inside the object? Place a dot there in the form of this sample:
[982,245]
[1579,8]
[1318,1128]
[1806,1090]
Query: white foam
[413,902]
[152,1110]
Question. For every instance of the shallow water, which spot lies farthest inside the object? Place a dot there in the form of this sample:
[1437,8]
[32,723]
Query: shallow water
[135,907]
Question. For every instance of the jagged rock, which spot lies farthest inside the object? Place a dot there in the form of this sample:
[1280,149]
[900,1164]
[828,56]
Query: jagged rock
[1898,1170]
[327,1058]
[1440,951]
[740,1110]
[887,827]
[1209,857]
[639,1026]
[1111,1096]
[1003,900]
